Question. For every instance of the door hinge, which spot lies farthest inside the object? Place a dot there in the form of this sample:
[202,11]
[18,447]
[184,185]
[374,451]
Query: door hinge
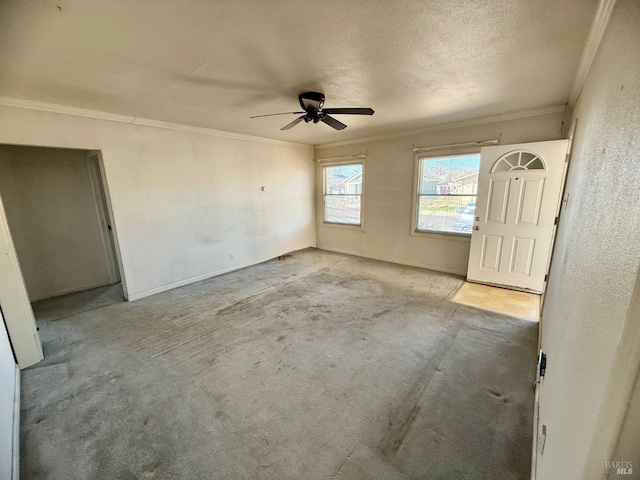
[555,222]
[546,277]
[109,227]
[542,361]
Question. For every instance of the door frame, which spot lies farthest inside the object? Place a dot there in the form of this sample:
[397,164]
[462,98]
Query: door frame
[562,203]
[11,407]
[105,223]
[16,306]
[111,219]
[14,298]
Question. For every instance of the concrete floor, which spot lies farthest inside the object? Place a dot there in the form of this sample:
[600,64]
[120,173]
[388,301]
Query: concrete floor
[320,366]
[74,303]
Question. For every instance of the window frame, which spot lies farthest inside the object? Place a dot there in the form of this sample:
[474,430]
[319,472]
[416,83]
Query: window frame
[417,173]
[338,163]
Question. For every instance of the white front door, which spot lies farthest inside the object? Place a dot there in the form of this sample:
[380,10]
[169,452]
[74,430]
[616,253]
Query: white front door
[519,188]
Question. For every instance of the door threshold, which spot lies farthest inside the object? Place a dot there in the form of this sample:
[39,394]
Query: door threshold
[509,302]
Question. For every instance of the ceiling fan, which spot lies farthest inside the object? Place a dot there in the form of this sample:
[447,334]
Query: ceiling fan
[312,103]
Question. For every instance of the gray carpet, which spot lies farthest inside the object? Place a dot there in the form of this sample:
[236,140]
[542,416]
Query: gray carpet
[74,303]
[319,366]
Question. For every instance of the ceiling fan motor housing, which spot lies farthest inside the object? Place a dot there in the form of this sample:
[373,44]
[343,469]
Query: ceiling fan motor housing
[311,101]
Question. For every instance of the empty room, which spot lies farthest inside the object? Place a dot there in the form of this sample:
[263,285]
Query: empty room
[320,240]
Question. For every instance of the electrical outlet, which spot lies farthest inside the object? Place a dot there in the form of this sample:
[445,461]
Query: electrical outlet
[395,248]
[232,256]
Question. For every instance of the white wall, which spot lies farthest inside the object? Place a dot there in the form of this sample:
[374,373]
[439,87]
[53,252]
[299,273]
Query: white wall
[628,445]
[184,201]
[49,203]
[7,399]
[619,419]
[389,172]
[588,312]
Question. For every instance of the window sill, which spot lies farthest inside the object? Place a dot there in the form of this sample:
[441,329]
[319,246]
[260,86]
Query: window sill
[455,236]
[347,226]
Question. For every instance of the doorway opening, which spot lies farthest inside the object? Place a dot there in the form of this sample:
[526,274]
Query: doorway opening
[511,222]
[58,214]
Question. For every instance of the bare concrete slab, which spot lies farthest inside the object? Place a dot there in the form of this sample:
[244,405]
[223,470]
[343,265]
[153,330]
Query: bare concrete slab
[74,303]
[319,366]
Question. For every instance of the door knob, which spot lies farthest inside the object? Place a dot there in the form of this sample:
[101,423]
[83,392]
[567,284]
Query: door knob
[476,227]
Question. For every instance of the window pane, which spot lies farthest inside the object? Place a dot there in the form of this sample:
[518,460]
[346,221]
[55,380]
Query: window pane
[450,175]
[446,213]
[518,161]
[536,165]
[342,209]
[343,179]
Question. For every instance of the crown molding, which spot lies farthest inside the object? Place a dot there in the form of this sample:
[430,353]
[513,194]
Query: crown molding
[130,120]
[146,122]
[63,109]
[598,27]
[450,126]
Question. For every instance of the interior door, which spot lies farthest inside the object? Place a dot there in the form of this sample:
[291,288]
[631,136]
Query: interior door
[106,232]
[519,188]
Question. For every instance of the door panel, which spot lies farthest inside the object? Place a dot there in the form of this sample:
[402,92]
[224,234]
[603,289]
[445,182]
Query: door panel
[498,200]
[522,255]
[530,201]
[491,252]
[518,192]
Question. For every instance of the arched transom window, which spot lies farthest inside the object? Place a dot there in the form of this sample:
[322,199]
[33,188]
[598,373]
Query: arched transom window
[518,160]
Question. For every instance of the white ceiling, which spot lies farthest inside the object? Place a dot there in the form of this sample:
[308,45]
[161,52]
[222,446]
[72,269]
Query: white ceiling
[215,63]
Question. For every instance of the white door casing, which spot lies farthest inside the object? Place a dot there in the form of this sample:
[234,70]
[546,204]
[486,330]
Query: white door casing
[9,407]
[518,193]
[14,299]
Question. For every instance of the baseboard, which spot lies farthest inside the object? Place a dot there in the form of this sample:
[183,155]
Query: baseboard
[435,268]
[147,293]
[15,475]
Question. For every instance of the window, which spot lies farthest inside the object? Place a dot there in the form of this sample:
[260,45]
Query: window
[520,160]
[446,197]
[343,194]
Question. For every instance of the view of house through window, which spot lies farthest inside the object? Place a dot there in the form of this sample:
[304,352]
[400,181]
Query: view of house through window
[343,194]
[447,189]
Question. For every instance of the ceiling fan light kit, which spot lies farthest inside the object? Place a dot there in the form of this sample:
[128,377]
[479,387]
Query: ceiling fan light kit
[312,104]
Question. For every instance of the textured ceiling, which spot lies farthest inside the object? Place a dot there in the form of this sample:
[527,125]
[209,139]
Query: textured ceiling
[215,63]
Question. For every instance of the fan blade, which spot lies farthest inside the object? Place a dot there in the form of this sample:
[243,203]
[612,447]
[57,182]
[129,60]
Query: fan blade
[348,111]
[332,122]
[272,114]
[292,124]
